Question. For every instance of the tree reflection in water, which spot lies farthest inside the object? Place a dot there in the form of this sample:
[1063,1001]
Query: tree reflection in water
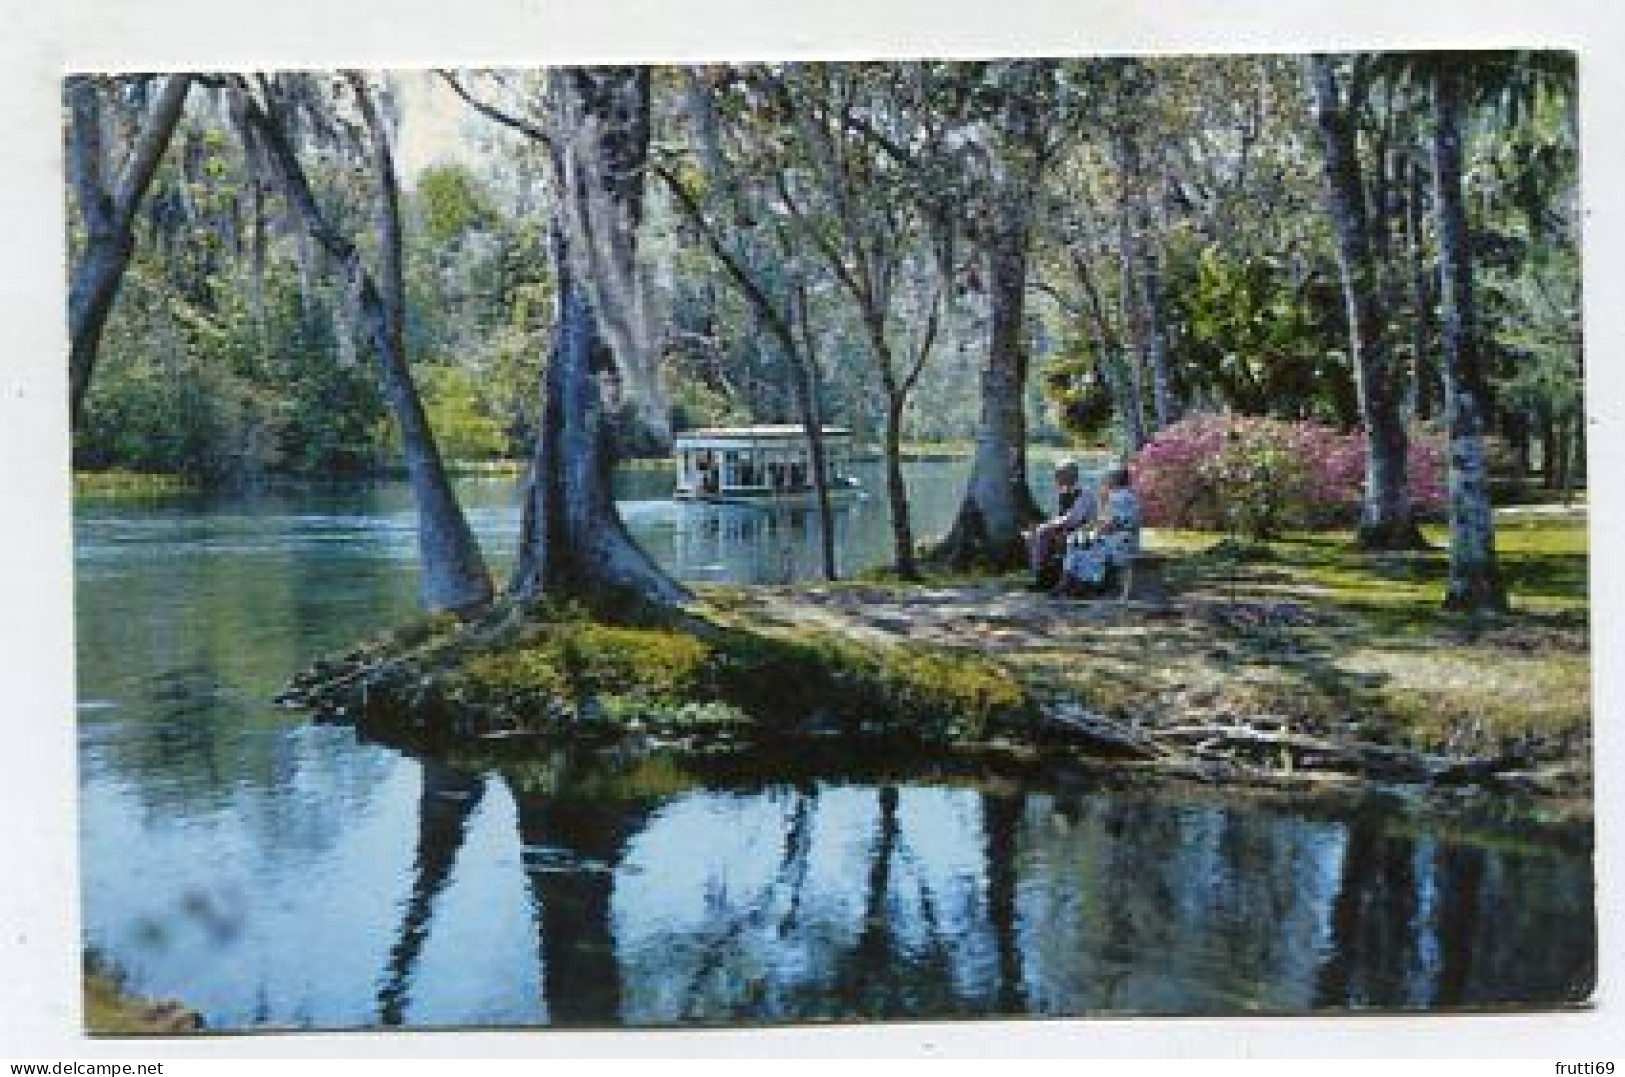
[448,801]
[805,900]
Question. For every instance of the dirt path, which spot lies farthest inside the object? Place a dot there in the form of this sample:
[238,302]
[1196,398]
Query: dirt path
[1001,618]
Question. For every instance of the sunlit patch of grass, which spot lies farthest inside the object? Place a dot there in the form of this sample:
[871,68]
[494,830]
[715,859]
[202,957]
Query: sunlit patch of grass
[1543,561]
[128,484]
[1175,540]
[1434,693]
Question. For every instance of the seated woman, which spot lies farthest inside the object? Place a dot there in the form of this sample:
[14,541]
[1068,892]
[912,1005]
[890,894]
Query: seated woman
[1044,542]
[1114,540]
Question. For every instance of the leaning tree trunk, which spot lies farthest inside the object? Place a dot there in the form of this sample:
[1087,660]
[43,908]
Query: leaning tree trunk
[1386,521]
[998,503]
[573,540]
[454,572]
[1475,580]
[109,217]
[787,322]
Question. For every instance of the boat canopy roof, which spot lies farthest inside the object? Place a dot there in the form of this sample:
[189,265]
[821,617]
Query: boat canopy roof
[733,436]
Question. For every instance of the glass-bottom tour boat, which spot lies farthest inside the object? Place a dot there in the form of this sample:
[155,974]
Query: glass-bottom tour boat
[760,464]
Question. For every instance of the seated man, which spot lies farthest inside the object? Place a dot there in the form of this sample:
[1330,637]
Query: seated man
[1045,542]
[1116,538]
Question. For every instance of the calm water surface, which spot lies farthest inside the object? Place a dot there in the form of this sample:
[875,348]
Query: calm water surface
[276,873]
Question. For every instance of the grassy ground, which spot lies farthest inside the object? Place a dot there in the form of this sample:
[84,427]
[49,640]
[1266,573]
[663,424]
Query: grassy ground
[1383,642]
[127,484]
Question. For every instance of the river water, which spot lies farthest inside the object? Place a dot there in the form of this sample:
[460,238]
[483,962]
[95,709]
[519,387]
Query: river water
[279,874]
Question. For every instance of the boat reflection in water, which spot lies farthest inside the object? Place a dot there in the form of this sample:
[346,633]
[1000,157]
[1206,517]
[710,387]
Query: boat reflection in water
[720,542]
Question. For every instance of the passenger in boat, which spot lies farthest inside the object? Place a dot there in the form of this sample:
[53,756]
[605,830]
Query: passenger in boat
[1092,559]
[1046,541]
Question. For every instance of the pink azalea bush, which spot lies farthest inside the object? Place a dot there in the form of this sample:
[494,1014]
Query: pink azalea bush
[1264,476]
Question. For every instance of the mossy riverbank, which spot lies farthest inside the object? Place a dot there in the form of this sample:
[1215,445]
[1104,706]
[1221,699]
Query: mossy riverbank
[1299,663]
[110,1009]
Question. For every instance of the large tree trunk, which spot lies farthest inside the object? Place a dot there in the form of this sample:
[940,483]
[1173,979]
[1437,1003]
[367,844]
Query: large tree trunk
[1386,521]
[998,503]
[1421,405]
[573,540]
[109,217]
[454,573]
[1164,405]
[1475,580]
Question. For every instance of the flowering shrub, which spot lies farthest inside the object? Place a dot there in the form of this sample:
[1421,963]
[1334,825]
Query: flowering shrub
[1264,476]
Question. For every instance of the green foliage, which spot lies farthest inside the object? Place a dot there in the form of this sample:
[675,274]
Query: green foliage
[232,353]
[1536,320]
[1074,381]
[229,354]
[458,414]
[126,484]
[211,388]
[451,203]
[1258,341]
